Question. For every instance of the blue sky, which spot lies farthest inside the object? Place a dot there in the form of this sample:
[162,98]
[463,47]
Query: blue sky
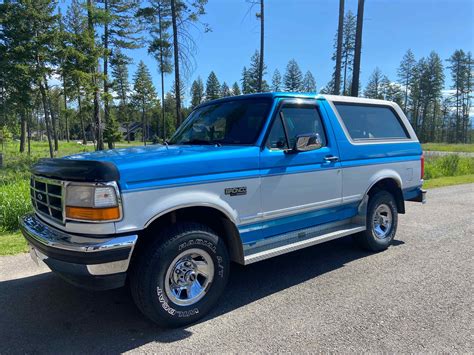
[305,30]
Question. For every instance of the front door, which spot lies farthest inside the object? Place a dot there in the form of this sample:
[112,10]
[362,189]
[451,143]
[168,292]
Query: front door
[304,189]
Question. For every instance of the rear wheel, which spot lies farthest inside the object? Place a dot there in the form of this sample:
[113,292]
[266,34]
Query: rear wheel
[381,224]
[179,280]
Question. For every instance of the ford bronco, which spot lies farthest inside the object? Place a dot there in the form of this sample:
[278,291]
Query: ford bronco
[243,179]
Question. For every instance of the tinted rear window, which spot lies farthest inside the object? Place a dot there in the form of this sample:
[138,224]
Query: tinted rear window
[371,122]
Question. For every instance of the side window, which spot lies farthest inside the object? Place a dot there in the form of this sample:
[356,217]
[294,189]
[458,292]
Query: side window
[298,120]
[365,122]
[276,138]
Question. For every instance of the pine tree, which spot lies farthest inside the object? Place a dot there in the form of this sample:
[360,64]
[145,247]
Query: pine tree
[28,36]
[236,89]
[197,92]
[309,83]
[225,90]
[158,19]
[182,94]
[348,45]
[276,81]
[245,81]
[253,74]
[120,29]
[374,88]
[119,63]
[459,73]
[183,14]
[94,53]
[405,74]
[293,78]
[212,87]
[426,95]
[144,95]
[78,58]
[393,91]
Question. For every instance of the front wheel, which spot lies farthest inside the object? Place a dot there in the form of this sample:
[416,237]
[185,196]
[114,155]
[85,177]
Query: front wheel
[180,278]
[381,224]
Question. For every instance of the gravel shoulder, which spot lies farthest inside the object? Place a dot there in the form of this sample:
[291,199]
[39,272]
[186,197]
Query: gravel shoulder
[415,297]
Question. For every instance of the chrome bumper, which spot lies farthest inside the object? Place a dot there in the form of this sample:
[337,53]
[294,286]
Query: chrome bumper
[81,255]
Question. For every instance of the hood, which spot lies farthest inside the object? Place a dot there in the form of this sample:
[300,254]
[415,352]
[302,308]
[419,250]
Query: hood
[158,165]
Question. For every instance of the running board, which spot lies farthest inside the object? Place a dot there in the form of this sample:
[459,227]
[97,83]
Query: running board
[298,240]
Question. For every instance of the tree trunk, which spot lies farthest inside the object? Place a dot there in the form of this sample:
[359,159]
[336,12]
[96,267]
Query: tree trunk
[262,45]
[22,131]
[52,114]
[110,142]
[344,84]
[177,83]
[162,79]
[81,118]
[28,130]
[358,49]
[66,118]
[337,71]
[406,94]
[94,67]
[44,99]
[143,125]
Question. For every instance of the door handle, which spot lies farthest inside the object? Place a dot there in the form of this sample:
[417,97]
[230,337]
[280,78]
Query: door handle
[331,158]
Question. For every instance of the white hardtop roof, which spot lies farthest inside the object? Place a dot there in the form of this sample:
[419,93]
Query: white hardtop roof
[360,100]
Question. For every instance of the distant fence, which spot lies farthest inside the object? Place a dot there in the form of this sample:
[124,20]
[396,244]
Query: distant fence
[436,153]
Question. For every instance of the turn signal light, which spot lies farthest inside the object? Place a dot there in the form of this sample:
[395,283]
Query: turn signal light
[93,214]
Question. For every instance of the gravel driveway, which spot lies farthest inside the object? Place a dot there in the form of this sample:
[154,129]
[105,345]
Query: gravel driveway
[415,297]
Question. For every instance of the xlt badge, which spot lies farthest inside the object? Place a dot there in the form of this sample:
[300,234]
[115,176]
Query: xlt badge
[236,191]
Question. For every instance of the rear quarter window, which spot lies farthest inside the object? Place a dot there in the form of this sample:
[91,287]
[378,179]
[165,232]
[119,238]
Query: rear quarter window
[371,122]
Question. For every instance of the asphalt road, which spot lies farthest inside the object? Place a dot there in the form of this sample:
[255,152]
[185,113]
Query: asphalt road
[415,297]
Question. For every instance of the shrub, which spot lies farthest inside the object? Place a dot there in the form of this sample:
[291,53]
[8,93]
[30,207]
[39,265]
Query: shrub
[448,165]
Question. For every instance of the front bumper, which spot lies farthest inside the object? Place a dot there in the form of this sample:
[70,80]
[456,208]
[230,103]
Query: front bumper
[91,262]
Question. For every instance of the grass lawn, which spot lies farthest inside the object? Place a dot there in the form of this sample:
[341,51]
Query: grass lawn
[449,147]
[448,181]
[12,243]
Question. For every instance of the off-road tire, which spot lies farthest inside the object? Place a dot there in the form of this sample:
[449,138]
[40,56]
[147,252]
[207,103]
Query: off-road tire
[368,238]
[147,279]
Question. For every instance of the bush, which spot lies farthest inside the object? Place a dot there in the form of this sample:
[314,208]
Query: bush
[14,202]
[448,165]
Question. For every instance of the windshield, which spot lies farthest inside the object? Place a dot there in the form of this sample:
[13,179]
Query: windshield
[228,122]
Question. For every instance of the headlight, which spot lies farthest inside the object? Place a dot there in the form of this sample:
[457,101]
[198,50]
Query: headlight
[92,202]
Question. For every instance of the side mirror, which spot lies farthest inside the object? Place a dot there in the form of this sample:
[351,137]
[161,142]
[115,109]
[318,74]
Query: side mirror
[307,142]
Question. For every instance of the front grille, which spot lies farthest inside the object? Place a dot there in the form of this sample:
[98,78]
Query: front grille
[47,197]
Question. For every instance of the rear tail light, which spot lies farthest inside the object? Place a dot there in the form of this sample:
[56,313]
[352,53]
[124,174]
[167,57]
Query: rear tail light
[422,167]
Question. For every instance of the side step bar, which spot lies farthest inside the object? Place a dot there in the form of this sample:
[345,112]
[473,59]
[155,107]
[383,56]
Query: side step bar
[302,239]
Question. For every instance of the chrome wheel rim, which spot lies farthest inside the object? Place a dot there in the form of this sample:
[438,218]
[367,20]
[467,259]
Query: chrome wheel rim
[189,277]
[383,220]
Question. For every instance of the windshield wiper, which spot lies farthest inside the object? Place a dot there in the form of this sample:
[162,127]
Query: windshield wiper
[202,142]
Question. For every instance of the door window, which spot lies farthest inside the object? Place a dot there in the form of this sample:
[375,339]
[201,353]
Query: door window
[297,119]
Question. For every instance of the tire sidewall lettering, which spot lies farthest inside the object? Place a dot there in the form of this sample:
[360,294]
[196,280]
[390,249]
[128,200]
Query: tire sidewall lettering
[198,241]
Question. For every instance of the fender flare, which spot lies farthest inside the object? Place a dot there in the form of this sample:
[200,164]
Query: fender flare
[194,199]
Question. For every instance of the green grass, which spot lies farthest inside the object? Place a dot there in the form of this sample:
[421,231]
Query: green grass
[448,181]
[12,243]
[448,165]
[449,147]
